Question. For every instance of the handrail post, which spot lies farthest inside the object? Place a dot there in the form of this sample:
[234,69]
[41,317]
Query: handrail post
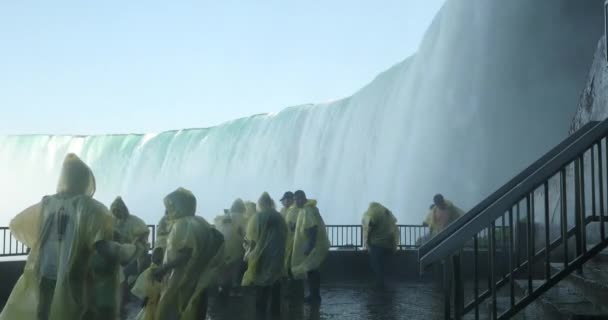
[577,208]
[458,286]
[446,288]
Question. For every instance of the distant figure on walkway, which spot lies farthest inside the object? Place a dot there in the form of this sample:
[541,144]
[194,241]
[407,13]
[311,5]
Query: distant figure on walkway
[265,243]
[310,246]
[442,213]
[68,273]
[380,237]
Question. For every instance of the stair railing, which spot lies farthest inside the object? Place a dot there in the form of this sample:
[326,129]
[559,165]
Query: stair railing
[521,241]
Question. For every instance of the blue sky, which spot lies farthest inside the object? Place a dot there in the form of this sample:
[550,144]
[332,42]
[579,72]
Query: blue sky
[90,67]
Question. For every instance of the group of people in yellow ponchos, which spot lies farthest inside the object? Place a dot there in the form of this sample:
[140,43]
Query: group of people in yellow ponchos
[85,259]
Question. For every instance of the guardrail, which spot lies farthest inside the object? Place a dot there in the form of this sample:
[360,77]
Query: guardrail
[533,246]
[341,237]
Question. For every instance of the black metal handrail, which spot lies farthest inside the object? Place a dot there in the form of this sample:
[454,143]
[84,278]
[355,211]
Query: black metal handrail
[519,178]
[496,209]
[340,237]
[571,182]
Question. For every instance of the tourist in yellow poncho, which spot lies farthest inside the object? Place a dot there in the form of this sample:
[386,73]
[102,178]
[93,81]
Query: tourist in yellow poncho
[64,276]
[233,252]
[194,252]
[294,288]
[310,246]
[380,237]
[265,243]
[250,210]
[290,215]
[442,213]
[148,289]
[238,215]
[129,229]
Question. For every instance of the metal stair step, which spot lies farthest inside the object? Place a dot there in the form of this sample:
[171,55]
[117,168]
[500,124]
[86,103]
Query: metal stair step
[592,283]
[565,301]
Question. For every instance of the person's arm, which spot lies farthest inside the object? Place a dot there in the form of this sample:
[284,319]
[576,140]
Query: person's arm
[103,249]
[182,257]
[312,239]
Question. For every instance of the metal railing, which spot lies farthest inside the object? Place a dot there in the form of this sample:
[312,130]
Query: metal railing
[351,236]
[484,204]
[10,246]
[340,236]
[547,219]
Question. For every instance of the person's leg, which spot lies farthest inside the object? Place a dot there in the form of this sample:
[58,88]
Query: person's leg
[124,298]
[373,261]
[275,302]
[46,291]
[261,300]
[314,286]
[203,304]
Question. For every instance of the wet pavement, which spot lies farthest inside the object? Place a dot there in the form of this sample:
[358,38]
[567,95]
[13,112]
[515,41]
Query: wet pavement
[408,300]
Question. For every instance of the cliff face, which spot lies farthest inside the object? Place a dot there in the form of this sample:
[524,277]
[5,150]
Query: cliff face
[593,102]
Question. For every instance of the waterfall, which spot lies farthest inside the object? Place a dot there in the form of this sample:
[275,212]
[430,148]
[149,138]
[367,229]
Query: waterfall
[493,85]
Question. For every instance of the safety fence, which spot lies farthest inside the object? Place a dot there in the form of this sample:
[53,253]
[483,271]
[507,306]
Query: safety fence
[341,237]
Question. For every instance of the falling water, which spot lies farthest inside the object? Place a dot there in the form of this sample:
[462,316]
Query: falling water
[493,85]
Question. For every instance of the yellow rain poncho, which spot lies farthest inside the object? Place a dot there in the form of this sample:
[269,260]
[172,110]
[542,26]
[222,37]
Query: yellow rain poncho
[129,228]
[249,212]
[290,215]
[62,231]
[238,216]
[233,248]
[146,287]
[380,227]
[308,217]
[184,286]
[266,235]
[438,219]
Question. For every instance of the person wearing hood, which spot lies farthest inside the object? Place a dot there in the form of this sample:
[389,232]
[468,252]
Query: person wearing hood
[265,251]
[129,229]
[290,215]
[250,210]
[233,253]
[441,214]
[295,288]
[237,214]
[310,246]
[72,268]
[193,257]
[380,237]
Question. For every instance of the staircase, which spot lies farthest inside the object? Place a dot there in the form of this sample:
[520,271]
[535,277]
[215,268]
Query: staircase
[537,242]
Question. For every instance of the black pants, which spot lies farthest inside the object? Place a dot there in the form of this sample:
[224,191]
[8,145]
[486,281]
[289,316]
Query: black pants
[378,259]
[314,284]
[272,293]
[46,291]
[202,305]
